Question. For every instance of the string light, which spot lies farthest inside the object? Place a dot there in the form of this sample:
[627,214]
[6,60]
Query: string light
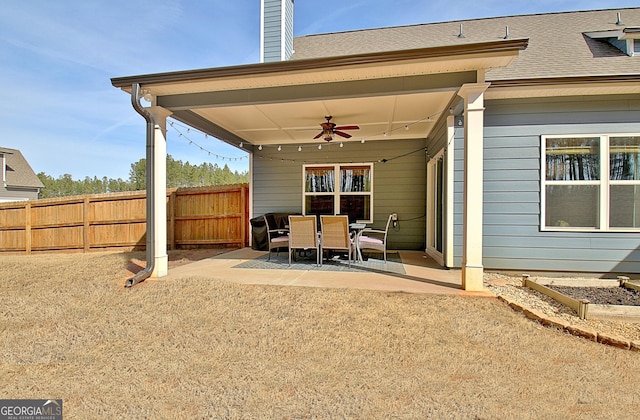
[362,140]
[260,147]
[176,127]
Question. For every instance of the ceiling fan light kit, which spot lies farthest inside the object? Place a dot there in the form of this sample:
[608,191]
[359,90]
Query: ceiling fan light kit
[329,129]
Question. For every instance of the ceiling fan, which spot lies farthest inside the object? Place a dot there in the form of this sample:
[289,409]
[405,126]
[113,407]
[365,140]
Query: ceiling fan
[329,129]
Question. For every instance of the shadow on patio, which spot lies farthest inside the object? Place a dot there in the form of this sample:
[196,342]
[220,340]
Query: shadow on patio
[418,274]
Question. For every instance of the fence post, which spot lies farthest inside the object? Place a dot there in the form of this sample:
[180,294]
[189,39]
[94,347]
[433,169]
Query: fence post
[171,234]
[243,201]
[85,224]
[27,228]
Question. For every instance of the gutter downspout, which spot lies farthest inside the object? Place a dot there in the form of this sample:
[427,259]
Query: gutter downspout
[150,185]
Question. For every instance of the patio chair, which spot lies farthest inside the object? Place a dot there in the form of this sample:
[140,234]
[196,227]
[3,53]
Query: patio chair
[278,238]
[376,242]
[303,234]
[335,235]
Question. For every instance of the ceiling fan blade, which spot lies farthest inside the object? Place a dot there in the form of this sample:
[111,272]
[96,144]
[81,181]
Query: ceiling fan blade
[319,135]
[348,127]
[345,135]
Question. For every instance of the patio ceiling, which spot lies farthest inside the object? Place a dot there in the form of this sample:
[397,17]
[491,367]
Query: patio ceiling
[299,122]
[392,95]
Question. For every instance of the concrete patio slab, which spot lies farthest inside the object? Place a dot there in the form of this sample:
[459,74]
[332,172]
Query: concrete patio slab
[423,274]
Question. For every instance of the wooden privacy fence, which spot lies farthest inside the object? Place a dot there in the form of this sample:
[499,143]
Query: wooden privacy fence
[196,217]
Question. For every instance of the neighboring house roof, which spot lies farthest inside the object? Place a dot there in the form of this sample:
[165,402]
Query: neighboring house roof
[558,44]
[18,170]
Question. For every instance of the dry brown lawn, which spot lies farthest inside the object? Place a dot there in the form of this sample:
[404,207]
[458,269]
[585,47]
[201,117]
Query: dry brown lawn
[215,349]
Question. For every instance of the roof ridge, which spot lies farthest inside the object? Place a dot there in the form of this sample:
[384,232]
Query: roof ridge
[618,9]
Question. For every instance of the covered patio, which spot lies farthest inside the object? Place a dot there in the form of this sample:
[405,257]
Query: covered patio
[405,103]
[420,274]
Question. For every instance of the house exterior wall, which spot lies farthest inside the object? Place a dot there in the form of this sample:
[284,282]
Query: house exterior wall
[512,236]
[277,29]
[398,184]
[13,194]
[440,140]
[438,137]
[288,29]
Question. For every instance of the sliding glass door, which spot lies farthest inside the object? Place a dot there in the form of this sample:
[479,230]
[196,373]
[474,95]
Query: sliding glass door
[435,207]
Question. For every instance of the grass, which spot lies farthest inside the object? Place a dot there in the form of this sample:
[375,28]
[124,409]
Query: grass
[216,349]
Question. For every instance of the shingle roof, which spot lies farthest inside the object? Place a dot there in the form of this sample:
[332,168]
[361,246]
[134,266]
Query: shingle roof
[558,46]
[18,170]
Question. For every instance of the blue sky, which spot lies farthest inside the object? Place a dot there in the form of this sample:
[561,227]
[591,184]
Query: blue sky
[57,104]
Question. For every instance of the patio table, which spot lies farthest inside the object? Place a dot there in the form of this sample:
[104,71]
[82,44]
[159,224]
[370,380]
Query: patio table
[357,227]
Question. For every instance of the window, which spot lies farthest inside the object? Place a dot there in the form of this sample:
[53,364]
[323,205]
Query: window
[591,182]
[339,189]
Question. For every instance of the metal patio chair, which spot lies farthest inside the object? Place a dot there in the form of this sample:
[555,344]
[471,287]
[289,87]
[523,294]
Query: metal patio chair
[278,238]
[375,239]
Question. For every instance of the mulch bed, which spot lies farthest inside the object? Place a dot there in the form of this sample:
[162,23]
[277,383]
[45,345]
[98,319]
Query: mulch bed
[601,295]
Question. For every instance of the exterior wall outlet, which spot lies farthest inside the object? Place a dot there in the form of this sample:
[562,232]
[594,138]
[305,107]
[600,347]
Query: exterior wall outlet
[394,217]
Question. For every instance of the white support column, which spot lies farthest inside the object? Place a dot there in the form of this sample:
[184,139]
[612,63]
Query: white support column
[472,269]
[161,267]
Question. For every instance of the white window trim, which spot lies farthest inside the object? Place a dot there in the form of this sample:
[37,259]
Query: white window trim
[432,191]
[336,194]
[605,182]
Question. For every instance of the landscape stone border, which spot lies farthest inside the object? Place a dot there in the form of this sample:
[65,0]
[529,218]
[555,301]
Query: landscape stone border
[578,331]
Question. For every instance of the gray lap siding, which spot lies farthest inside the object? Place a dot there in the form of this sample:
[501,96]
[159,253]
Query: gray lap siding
[512,238]
[399,183]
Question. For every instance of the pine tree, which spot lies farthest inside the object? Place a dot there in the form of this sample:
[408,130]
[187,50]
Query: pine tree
[179,174]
